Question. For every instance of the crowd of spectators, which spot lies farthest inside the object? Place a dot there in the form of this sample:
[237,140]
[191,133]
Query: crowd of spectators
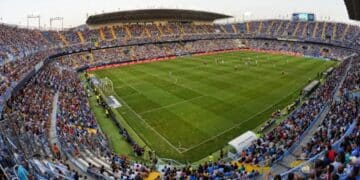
[27,113]
[272,146]
[25,130]
[342,163]
[341,115]
[19,47]
[328,32]
[147,51]
[339,118]
[14,164]
[76,124]
[15,70]
[78,132]
[208,170]
[151,51]
[305,49]
[18,42]
[28,116]
[31,41]
[352,81]
[340,158]
[4,83]
[70,36]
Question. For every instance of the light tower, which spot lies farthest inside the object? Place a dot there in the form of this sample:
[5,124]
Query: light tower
[57,19]
[33,17]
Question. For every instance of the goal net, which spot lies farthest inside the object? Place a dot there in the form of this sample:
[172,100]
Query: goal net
[106,86]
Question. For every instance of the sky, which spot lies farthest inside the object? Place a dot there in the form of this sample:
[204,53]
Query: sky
[75,12]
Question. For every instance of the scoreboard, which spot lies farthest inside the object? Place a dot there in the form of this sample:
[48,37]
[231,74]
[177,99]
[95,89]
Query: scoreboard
[303,17]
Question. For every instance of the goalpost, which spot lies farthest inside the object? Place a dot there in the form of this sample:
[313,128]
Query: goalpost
[106,86]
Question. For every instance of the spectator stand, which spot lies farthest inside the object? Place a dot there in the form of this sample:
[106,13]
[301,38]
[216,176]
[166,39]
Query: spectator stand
[315,121]
[95,85]
[311,161]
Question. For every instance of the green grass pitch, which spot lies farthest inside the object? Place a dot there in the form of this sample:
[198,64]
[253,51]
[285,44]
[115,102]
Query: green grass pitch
[187,108]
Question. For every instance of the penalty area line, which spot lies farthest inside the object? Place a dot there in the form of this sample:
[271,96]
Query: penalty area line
[236,126]
[147,124]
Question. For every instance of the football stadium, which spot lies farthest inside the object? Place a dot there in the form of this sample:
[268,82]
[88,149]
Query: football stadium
[181,93]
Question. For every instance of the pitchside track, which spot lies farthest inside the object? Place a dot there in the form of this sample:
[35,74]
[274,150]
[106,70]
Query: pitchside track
[189,107]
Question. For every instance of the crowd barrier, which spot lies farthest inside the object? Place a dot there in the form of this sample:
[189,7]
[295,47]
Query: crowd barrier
[355,94]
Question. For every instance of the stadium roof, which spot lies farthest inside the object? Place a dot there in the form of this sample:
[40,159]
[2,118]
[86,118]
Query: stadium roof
[353,7]
[148,15]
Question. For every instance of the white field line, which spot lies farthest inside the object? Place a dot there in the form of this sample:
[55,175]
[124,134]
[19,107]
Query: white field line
[204,141]
[235,126]
[131,86]
[179,84]
[124,85]
[148,125]
[170,105]
[167,141]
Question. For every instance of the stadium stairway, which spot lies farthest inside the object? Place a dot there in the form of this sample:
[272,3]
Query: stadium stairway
[251,167]
[194,30]
[113,32]
[345,31]
[234,28]
[284,33]
[279,28]
[169,29]
[147,32]
[289,160]
[182,31]
[81,162]
[315,29]
[260,27]
[333,37]
[47,37]
[268,30]
[285,163]
[223,28]
[248,27]
[323,33]
[128,32]
[296,28]
[102,35]
[52,132]
[86,157]
[63,39]
[99,160]
[304,30]
[153,176]
[159,29]
[53,139]
[205,30]
[81,37]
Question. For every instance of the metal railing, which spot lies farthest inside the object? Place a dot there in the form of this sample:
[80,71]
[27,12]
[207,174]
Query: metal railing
[335,146]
